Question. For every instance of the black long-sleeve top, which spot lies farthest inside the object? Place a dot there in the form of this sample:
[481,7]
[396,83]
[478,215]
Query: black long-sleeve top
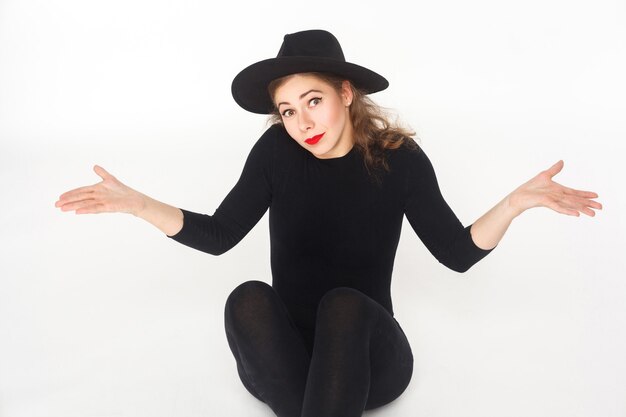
[330,223]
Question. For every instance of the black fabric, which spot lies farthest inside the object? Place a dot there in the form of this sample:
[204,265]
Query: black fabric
[331,225]
[361,358]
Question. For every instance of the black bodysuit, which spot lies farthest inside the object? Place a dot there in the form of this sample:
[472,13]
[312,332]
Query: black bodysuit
[331,224]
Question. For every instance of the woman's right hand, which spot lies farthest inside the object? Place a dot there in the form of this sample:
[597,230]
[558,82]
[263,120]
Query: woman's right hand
[107,196]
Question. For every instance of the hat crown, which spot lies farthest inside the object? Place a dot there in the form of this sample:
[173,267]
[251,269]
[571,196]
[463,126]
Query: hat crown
[314,43]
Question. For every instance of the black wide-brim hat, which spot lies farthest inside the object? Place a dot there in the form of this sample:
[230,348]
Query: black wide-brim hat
[306,51]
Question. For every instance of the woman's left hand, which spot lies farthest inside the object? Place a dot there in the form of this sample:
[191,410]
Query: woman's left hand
[541,191]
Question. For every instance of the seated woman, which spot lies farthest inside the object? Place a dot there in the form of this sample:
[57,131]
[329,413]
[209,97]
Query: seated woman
[338,179]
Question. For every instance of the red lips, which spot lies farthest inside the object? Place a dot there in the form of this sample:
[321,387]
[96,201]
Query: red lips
[314,139]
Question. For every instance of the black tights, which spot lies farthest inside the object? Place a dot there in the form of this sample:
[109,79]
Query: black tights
[360,358]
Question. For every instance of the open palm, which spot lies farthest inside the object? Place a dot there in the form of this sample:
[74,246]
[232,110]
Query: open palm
[109,195]
[542,191]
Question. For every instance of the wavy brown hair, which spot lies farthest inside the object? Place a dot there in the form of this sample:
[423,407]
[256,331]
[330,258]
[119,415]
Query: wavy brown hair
[374,132]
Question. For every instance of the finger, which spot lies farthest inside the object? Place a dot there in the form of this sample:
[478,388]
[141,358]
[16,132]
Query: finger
[567,211]
[562,207]
[103,173]
[92,209]
[588,212]
[74,205]
[584,202]
[579,193]
[588,206]
[571,192]
[556,168]
[76,191]
[586,194]
[584,208]
[580,205]
[75,197]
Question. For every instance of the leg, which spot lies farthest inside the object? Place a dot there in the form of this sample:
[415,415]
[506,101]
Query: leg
[361,357]
[272,360]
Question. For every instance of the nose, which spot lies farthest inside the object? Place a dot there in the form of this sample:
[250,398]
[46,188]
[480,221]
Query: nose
[305,122]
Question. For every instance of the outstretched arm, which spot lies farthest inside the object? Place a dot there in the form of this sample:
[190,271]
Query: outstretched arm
[540,191]
[242,208]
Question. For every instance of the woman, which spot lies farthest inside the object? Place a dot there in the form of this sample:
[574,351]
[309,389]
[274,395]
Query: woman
[322,340]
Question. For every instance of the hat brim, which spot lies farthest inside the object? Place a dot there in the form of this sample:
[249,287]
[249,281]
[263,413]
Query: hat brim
[249,87]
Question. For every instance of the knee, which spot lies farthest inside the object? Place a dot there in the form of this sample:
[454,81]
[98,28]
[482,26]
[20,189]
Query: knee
[247,300]
[340,295]
[343,303]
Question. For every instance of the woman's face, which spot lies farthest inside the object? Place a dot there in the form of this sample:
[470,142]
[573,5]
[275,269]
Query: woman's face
[315,115]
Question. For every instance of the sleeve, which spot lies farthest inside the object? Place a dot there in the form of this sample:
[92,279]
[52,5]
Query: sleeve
[434,221]
[240,211]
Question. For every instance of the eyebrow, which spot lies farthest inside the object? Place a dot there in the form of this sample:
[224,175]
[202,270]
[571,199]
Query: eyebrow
[301,96]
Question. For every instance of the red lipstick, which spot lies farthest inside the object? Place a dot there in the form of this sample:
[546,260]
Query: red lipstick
[314,139]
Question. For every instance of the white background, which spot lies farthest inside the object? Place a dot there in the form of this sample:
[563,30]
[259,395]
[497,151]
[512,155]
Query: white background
[102,315]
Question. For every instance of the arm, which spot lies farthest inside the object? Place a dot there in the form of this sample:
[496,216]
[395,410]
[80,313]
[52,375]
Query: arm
[242,208]
[540,191]
[237,214]
[166,218]
[434,221]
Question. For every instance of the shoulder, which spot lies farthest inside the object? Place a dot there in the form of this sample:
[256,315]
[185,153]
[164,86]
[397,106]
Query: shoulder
[265,145]
[274,149]
[274,137]
[408,154]
[275,132]
[412,163]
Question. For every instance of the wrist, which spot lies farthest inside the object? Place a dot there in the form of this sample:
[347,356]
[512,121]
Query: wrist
[511,206]
[141,206]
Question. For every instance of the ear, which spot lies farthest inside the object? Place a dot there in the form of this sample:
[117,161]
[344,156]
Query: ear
[346,93]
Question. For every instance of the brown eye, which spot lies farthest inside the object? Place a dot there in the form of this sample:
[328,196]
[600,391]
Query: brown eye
[315,101]
[287,113]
